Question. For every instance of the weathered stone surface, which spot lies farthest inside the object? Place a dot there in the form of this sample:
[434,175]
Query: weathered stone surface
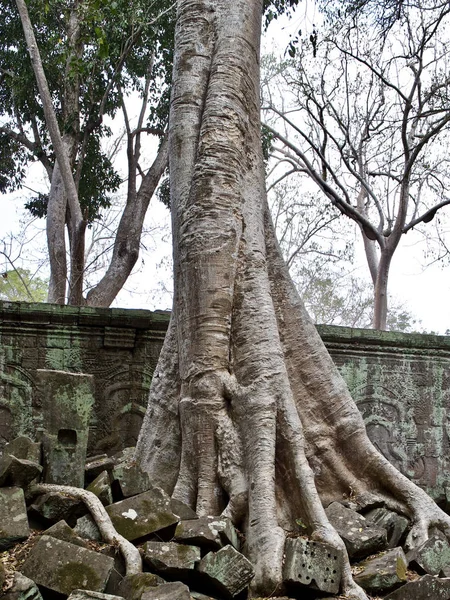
[395,524]
[133,586]
[432,557]
[181,509]
[227,570]
[312,564]
[87,529]
[383,573]
[18,471]
[425,588]
[62,531]
[13,517]
[67,400]
[97,464]
[168,591]
[64,567]
[132,479]
[54,507]
[101,488]
[140,515]
[23,588]
[360,538]
[207,532]
[23,447]
[171,559]
[90,595]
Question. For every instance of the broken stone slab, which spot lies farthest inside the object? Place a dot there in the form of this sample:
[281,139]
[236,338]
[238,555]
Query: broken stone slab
[64,567]
[313,564]
[101,488]
[395,525]
[23,447]
[87,529]
[62,531]
[133,586]
[228,571]
[97,464]
[54,507]
[360,538]
[13,517]
[171,559]
[90,595]
[210,533]
[67,400]
[181,509]
[18,471]
[132,480]
[22,588]
[383,573]
[433,557]
[427,587]
[141,515]
[168,591]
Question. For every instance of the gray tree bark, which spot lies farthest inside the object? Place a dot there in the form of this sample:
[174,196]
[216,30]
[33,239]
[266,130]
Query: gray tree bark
[248,416]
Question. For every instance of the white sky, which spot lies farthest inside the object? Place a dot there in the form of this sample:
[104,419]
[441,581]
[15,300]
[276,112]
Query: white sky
[425,292]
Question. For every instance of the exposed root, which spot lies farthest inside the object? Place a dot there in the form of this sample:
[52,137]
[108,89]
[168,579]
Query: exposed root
[130,553]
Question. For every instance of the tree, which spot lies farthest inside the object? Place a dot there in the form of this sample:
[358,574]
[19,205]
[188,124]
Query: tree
[19,284]
[95,54]
[248,416]
[371,122]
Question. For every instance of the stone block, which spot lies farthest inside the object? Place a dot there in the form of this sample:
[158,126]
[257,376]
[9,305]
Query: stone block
[227,570]
[133,586]
[87,529]
[395,525]
[360,538]
[102,488]
[97,464]
[168,591]
[18,471]
[210,533]
[90,595]
[22,588]
[24,447]
[62,531]
[13,517]
[67,400]
[181,509]
[132,479]
[432,557]
[313,564]
[383,573]
[64,567]
[54,507]
[171,559]
[141,515]
[425,588]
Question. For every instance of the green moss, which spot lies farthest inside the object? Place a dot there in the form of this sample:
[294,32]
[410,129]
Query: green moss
[74,576]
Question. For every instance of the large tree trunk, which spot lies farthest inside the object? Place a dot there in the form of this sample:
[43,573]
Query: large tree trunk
[247,415]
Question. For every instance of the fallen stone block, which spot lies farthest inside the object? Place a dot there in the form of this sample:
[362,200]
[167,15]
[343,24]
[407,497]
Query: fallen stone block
[313,564]
[101,488]
[18,471]
[141,515]
[171,559]
[22,588]
[23,447]
[210,533]
[168,591]
[62,531]
[227,570]
[432,557]
[54,507]
[87,529]
[395,525]
[383,573]
[64,567]
[133,586]
[13,517]
[97,464]
[360,538]
[425,588]
[181,509]
[90,595]
[131,479]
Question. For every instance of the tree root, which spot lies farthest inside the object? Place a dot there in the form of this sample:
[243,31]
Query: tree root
[130,553]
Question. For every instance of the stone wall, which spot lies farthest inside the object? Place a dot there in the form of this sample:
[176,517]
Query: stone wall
[400,382]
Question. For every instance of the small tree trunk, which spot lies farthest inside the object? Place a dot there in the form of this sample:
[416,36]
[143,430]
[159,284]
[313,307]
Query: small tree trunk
[380,291]
[56,243]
